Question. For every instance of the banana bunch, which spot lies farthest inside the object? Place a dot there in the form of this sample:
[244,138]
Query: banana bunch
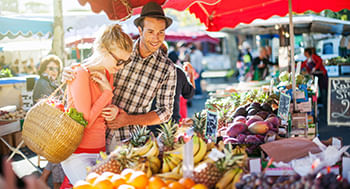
[229,179]
[155,164]
[175,174]
[144,166]
[199,150]
[150,149]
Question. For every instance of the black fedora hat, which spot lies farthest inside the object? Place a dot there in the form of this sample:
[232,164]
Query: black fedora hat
[152,9]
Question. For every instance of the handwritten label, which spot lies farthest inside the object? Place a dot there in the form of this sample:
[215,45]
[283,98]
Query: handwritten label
[283,106]
[339,101]
[212,125]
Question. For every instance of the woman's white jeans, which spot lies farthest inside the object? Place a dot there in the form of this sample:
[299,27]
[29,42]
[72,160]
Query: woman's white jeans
[75,166]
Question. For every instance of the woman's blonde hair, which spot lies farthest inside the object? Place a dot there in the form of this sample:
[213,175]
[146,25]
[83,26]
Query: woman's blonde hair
[113,35]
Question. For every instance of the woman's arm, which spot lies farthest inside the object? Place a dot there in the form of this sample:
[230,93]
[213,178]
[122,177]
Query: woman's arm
[81,95]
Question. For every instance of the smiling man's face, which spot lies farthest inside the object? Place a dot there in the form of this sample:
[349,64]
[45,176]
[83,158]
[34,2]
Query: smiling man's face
[152,35]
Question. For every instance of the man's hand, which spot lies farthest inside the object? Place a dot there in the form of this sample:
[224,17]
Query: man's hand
[122,120]
[110,112]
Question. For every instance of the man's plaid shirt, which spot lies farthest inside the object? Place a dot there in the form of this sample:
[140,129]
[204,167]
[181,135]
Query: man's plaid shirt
[139,83]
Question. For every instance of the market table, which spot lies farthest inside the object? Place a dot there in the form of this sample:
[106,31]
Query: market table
[10,127]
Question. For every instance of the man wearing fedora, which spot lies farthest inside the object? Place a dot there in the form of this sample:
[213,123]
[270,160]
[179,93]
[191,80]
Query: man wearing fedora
[150,75]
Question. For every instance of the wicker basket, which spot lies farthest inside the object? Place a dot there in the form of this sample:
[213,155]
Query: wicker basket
[50,132]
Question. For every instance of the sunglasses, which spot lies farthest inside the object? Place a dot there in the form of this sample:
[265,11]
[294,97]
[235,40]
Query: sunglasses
[119,61]
[53,69]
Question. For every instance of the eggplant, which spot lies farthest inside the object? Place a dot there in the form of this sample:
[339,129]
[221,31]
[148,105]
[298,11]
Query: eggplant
[263,114]
[240,119]
[236,128]
[241,137]
[253,119]
[266,107]
[240,111]
[255,104]
[252,112]
[252,139]
[274,121]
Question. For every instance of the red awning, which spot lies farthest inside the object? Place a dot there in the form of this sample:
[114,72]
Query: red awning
[217,14]
[227,13]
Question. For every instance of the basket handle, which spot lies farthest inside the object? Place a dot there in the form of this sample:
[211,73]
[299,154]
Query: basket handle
[55,92]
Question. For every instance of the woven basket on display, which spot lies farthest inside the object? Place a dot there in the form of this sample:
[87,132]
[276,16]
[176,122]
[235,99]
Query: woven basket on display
[51,133]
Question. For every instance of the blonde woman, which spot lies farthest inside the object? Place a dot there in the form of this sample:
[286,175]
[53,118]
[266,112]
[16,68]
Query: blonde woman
[90,92]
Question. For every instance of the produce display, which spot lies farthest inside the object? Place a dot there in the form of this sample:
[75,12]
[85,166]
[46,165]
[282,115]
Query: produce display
[9,116]
[163,156]
[5,72]
[133,179]
[317,181]
[338,60]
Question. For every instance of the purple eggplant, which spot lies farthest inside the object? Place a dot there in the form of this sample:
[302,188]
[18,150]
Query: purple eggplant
[241,138]
[252,139]
[236,128]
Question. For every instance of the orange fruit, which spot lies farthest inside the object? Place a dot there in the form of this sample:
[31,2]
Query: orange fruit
[187,182]
[81,184]
[156,183]
[126,186]
[118,180]
[107,174]
[103,183]
[127,173]
[165,187]
[92,177]
[199,186]
[176,185]
[167,182]
[138,179]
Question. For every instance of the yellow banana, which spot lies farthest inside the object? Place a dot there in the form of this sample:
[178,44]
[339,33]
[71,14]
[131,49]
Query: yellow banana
[154,151]
[176,169]
[169,175]
[165,166]
[202,151]
[226,179]
[195,144]
[154,164]
[149,172]
[175,160]
[170,163]
[144,149]
[237,178]
[177,152]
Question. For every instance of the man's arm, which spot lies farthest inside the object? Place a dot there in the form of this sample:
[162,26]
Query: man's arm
[124,119]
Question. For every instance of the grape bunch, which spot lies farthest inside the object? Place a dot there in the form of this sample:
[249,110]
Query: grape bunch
[319,181]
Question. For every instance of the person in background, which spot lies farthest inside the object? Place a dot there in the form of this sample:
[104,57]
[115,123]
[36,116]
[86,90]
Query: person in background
[15,67]
[314,65]
[30,68]
[196,58]
[49,70]
[2,62]
[9,180]
[90,93]
[184,85]
[260,65]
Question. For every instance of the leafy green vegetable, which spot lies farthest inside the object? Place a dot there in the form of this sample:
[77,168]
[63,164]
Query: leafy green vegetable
[77,116]
[5,72]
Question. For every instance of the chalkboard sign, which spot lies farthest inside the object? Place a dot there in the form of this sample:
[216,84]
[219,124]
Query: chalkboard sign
[211,125]
[284,106]
[339,101]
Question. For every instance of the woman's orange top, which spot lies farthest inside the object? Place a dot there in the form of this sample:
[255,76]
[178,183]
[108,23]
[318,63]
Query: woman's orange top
[85,95]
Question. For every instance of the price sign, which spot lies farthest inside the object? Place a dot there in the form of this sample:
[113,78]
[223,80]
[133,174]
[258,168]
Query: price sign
[339,101]
[211,125]
[283,106]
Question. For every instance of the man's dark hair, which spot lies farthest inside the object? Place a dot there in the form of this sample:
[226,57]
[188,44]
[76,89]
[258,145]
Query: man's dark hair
[142,21]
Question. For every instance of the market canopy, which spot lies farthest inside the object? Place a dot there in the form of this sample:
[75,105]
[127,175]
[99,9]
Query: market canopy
[218,14]
[12,27]
[302,24]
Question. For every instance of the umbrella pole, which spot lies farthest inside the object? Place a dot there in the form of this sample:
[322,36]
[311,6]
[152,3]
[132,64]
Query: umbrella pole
[291,40]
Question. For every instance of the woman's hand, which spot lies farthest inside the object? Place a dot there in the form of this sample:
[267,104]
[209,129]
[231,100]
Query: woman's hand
[102,80]
[110,112]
